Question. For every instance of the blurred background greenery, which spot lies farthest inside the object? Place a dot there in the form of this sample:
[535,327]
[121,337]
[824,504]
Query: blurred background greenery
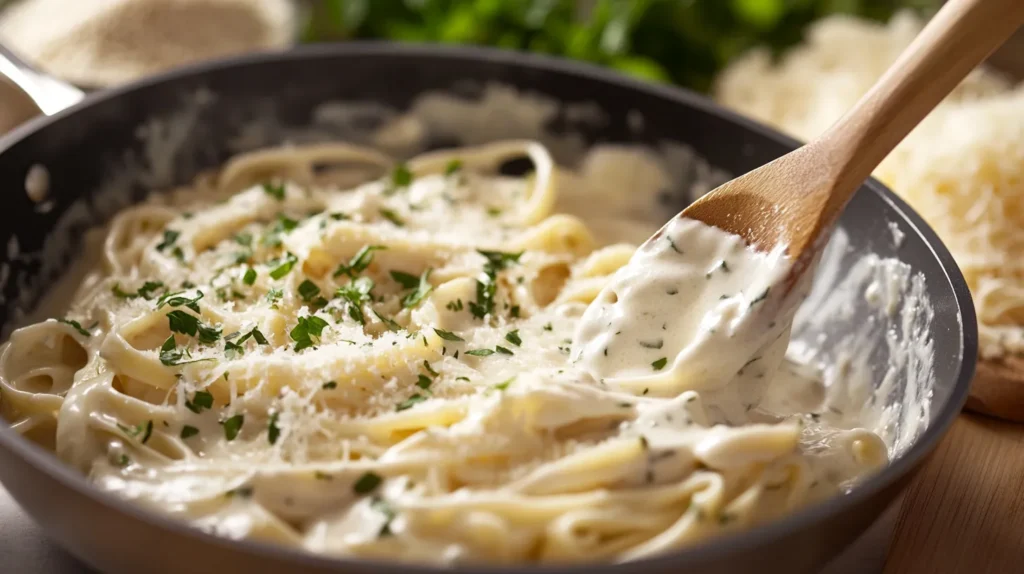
[679,41]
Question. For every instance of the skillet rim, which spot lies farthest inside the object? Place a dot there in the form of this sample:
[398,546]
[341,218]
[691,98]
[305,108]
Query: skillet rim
[716,548]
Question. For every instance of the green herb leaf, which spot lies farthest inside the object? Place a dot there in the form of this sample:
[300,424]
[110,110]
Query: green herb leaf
[406,280]
[504,384]
[284,266]
[178,300]
[389,323]
[392,217]
[188,431]
[409,402]
[430,370]
[367,483]
[201,400]
[448,335]
[243,239]
[355,294]
[76,325]
[423,382]
[401,176]
[453,167]
[182,322]
[480,352]
[273,431]
[308,290]
[423,288]
[275,190]
[359,262]
[660,363]
[548,327]
[250,276]
[307,331]
[513,337]
[274,295]
[232,426]
[498,260]
[503,350]
[170,237]
[329,385]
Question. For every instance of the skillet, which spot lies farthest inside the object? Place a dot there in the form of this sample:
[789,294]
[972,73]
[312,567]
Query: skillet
[88,148]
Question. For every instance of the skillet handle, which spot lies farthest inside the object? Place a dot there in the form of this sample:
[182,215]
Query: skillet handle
[49,94]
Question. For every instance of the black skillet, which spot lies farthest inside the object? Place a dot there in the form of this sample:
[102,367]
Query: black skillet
[81,146]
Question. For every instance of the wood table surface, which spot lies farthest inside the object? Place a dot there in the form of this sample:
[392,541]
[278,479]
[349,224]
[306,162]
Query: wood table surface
[964,511]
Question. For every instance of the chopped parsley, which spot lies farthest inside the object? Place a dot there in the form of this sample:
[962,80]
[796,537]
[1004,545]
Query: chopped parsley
[660,363]
[172,356]
[274,295]
[392,217]
[308,290]
[653,344]
[76,326]
[480,352]
[409,402]
[503,350]
[201,400]
[273,431]
[178,300]
[355,294]
[423,382]
[429,369]
[401,176]
[284,266]
[359,262]
[188,431]
[170,237]
[406,280]
[453,167]
[186,324]
[243,239]
[232,426]
[504,384]
[513,337]
[423,288]
[146,291]
[250,276]
[548,327]
[448,335]
[455,305]
[307,332]
[367,483]
[275,190]
[329,385]
[282,226]
[487,286]
[389,323]
[145,430]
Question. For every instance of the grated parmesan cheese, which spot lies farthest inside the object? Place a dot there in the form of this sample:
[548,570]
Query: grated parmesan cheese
[106,42]
[962,169]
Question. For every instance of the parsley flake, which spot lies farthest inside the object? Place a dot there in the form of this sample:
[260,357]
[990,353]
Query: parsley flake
[284,266]
[448,335]
[423,288]
[660,363]
[232,426]
[367,483]
[513,337]
[359,262]
[275,190]
[307,332]
[76,326]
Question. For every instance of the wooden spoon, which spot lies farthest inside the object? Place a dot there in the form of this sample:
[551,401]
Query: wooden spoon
[796,199]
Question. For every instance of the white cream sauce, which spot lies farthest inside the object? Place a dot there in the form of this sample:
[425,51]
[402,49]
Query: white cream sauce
[695,309]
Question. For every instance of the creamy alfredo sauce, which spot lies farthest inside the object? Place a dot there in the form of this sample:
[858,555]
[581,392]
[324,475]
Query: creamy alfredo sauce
[385,371]
[693,310]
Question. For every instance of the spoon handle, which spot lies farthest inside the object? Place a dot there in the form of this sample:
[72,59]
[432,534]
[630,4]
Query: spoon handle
[958,38]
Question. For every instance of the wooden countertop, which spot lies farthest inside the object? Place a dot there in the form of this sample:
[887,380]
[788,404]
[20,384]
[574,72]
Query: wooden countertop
[964,511]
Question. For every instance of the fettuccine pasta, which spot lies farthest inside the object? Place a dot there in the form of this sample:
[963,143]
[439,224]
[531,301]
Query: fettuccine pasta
[384,371]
